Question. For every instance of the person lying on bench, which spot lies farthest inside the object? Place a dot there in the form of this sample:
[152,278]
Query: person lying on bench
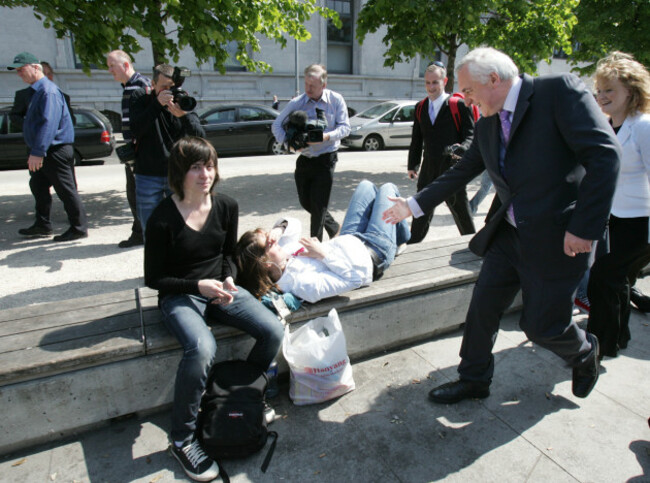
[312,270]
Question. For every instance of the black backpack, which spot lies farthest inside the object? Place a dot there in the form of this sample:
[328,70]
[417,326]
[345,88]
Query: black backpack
[231,422]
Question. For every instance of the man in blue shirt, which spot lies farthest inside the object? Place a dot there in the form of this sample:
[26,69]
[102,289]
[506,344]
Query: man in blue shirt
[314,173]
[49,135]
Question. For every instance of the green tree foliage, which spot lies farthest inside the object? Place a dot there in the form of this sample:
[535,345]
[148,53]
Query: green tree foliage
[205,26]
[607,25]
[527,30]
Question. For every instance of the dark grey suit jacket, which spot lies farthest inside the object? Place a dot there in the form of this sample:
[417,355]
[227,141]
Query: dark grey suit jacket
[561,166]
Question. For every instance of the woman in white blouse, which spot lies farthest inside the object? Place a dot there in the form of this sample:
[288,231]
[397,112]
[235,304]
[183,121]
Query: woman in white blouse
[312,270]
[623,93]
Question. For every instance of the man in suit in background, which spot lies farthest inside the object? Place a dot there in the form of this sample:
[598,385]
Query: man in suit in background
[554,161]
[435,128]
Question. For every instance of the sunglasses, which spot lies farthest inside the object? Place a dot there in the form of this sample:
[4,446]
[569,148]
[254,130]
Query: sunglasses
[437,63]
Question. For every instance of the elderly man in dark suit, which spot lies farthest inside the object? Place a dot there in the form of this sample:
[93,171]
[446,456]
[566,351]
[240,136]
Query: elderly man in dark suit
[554,161]
[435,129]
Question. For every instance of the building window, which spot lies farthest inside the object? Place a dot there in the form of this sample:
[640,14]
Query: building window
[339,41]
[232,64]
[77,60]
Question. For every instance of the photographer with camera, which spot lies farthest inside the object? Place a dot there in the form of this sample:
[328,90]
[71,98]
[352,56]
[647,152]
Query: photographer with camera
[158,119]
[444,143]
[314,124]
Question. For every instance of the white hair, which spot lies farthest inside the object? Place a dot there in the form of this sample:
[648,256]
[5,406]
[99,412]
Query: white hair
[483,61]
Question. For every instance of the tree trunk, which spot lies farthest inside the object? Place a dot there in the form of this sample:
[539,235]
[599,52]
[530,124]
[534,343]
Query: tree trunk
[154,13]
[451,65]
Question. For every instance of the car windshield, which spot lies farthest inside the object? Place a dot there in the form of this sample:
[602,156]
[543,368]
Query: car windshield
[376,111]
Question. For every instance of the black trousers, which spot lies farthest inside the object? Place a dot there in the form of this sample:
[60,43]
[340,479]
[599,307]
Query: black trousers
[129,169]
[58,172]
[314,178]
[611,278]
[547,308]
[458,204]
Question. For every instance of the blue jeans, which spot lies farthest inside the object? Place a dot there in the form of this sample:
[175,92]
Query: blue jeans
[185,317]
[149,192]
[363,220]
[484,189]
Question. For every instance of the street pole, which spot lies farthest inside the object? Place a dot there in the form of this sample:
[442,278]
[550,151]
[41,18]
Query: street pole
[297,73]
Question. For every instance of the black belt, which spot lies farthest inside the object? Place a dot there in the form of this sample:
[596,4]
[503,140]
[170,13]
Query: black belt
[377,269]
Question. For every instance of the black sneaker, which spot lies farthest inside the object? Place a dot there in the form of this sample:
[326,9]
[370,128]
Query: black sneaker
[196,464]
[35,231]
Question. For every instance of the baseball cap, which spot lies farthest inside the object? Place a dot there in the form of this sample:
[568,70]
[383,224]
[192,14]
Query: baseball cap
[22,59]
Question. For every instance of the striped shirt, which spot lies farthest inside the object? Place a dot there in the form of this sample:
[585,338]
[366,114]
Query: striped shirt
[136,81]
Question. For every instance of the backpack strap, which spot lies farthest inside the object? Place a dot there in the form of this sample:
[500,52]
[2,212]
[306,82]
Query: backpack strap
[418,109]
[269,453]
[223,474]
[455,113]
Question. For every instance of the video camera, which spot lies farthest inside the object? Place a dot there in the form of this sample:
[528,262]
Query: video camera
[182,98]
[301,130]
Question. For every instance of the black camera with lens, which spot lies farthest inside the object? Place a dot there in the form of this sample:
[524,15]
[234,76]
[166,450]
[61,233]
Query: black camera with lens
[182,98]
[301,130]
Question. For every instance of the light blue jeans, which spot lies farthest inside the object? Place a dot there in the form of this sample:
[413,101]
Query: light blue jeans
[149,192]
[363,220]
[483,190]
[185,317]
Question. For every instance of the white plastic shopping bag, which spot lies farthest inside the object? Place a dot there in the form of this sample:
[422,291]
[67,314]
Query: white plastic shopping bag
[318,361]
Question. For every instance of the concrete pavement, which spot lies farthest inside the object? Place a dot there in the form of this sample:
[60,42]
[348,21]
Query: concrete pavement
[530,429]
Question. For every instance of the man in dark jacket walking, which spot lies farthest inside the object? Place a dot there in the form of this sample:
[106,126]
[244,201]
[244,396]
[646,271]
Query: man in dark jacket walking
[435,129]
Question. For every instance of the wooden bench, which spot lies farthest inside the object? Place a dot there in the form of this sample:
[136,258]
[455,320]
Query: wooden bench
[70,365]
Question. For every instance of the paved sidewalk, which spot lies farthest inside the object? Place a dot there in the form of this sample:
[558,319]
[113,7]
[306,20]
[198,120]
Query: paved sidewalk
[531,428]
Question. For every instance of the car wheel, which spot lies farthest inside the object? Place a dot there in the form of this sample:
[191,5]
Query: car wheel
[77,158]
[276,147]
[373,143]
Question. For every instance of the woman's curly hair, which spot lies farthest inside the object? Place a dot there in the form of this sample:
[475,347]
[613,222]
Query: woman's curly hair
[632,74]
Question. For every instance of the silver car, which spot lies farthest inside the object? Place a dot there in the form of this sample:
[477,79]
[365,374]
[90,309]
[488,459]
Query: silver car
[385,125]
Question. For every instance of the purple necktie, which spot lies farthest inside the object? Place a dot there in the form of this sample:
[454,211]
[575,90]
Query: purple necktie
[504,116]
[505,124]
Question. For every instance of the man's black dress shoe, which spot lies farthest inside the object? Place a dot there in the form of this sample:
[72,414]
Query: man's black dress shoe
[641,302]
[586,375]
[133,241]
[69,235]
[456,391]
[35,230]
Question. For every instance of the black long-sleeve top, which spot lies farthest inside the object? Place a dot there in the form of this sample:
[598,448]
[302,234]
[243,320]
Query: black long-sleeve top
[176,256]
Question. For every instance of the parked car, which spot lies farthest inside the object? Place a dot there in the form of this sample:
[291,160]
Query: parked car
[384,125]
[93,138]
[240,128]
